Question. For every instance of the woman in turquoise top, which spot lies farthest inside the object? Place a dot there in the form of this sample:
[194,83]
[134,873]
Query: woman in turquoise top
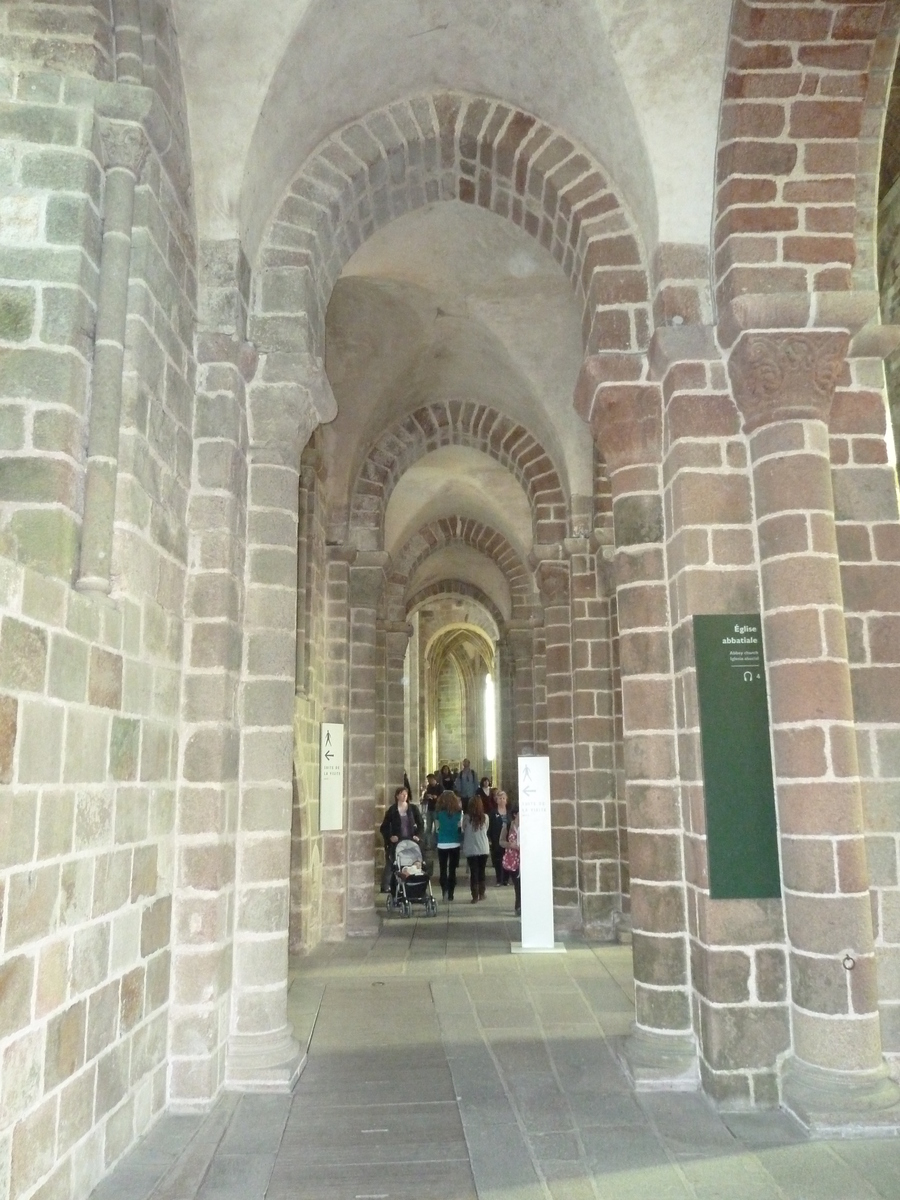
[448,811]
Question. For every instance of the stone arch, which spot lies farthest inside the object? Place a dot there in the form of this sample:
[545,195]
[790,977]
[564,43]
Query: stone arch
[879,146]
[449,146]
[456,587]
[459,423]
[445,532]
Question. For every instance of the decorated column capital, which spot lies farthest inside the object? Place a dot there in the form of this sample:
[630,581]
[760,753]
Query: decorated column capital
[122,146]
[786,375]
[553,580]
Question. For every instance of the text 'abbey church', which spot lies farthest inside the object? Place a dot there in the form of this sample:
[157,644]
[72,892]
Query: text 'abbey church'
[485,379]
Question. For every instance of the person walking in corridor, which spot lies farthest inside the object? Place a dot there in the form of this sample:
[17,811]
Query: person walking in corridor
[476,846]
[430,795]
[497,820]
[448,812]
[402,820]
[465,784]
[509,840]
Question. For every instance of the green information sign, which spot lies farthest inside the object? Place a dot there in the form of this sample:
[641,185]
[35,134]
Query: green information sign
[742,836]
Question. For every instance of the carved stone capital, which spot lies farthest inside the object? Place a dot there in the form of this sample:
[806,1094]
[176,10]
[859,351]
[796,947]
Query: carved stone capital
[627,424]
[122,145]
[553,582]
[784,376]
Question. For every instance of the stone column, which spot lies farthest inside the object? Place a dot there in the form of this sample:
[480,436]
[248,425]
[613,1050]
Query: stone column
[506,752]
[203,900]
[783,383]
[417,764]
[285,404]
[129,41]
[307,483]
[124,149]
[520,639]
[389,692]
[367,578]
[626,419]
[554,582]
[596,810]
[337,708]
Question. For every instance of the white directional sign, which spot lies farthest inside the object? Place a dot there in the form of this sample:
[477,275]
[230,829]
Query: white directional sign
[331,777]
[536,865]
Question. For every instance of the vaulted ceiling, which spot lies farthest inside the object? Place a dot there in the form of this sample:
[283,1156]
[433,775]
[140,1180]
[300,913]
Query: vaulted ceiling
[638,82]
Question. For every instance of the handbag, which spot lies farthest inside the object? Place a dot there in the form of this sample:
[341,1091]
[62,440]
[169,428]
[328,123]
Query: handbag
[510,860]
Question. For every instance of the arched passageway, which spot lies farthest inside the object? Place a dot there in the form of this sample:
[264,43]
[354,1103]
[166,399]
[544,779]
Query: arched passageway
[289,342]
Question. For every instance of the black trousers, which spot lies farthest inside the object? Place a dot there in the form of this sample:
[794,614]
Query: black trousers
[477,863]
[449,860]
[497,853]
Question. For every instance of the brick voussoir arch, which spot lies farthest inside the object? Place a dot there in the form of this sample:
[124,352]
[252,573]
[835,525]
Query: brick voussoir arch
[795,168]
[466,531]
[450,146]
[460,424]
[456,587]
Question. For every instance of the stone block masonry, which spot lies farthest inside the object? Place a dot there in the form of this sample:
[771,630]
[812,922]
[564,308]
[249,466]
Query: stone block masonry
[88,752]
[90,687]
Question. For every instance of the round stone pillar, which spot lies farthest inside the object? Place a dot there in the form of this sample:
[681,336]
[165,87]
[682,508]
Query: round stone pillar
[554,582]
[367,576]
[285,403]
[390,695]
[783,383]
[626,420]
[520,642]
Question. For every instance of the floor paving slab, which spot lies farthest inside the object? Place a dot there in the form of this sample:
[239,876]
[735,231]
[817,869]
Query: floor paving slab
[442,1067]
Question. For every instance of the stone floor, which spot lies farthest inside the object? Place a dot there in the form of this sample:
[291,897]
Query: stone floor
[443,1067]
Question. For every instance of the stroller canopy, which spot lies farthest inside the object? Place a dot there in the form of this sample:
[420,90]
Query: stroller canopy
[407,852]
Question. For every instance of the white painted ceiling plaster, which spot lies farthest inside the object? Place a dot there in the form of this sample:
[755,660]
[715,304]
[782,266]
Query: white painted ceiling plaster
[451,302]
[458,561]
[672,55]
[637,81]
[462,482]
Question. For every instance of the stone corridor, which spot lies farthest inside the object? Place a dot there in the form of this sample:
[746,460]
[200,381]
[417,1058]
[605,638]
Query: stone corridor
[441,1065]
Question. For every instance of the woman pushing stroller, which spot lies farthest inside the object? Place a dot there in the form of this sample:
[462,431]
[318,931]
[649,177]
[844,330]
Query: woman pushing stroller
[402,822]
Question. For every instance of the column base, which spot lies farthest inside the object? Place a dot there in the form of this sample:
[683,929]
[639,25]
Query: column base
[660,1062]
[841,1103]
[263,1062]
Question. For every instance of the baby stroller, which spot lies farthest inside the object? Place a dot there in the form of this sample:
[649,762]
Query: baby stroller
[410,881]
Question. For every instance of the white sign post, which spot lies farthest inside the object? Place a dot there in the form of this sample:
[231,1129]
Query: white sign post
[536,858]
[331,777]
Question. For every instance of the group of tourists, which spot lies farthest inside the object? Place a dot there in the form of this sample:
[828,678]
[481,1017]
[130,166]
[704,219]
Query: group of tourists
[464,816]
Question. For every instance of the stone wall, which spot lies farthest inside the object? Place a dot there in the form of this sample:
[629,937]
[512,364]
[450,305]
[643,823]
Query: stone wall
[90,679]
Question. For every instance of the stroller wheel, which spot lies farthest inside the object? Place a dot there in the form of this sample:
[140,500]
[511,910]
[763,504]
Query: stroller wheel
[432,906]
[389,903]
[407,908]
